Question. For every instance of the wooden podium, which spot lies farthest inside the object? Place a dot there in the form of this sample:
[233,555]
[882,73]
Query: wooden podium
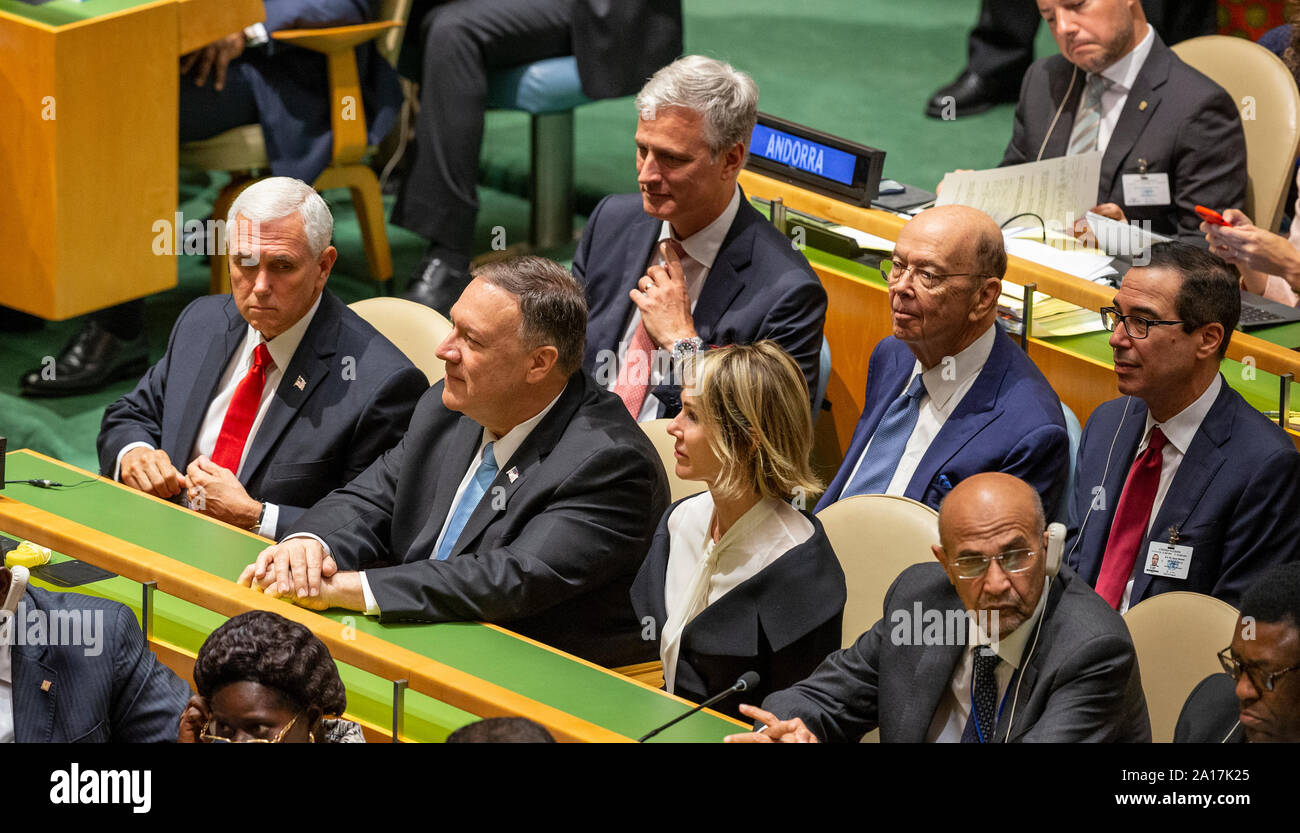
[88,145]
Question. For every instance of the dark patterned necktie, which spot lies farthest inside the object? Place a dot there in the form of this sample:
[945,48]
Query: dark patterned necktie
[985,704]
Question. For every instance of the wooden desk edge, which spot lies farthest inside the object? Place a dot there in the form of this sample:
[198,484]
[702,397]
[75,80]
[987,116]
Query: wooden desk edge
[440,681]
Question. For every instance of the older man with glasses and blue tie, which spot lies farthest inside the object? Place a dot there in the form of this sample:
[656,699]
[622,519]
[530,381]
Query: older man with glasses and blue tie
[949,395]
[523,493]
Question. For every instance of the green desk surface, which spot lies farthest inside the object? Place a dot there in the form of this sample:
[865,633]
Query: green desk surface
[543,675]
[60,12]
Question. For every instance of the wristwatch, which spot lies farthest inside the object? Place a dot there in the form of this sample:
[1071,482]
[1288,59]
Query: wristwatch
[684,347]
[261,516]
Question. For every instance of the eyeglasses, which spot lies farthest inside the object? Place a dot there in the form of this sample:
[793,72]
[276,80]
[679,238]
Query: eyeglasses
[895,270]
[1135,325]
[207,736]
[1011,562]
[1261,679]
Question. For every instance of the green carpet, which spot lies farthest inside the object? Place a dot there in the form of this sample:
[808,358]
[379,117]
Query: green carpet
[861,69]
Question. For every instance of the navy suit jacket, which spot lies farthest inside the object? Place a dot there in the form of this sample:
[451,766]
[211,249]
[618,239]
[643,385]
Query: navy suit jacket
[1233,499]
[357,399]
[1177,120]
[1010,421]
[760,287]
[290,85]
[781,622]
[550,550]
[62,694]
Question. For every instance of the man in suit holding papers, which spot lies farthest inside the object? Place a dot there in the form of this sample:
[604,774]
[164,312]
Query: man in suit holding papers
[1170,137]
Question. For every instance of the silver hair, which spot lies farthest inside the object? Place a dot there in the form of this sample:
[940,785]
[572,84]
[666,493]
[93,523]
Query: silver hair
[725,98]
[276,197]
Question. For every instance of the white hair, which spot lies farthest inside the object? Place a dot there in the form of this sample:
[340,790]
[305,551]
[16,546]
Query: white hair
[725,98]
[277,197]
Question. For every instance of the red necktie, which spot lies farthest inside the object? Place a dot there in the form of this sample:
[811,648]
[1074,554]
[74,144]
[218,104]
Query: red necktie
[633,383]
[243,409]
[1129,528]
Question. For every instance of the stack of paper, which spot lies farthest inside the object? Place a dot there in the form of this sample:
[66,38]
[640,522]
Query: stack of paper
[1052,316]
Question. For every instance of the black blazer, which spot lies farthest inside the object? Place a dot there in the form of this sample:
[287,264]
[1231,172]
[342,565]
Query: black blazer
[551,550]
[1211,713]
[357,396]
[759,287]
[1182,123]
[781,622]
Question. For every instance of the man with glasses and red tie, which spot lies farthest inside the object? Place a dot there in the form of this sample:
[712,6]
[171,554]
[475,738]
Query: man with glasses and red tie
[1181,484]
[269,397]
[948,394]
[688,262]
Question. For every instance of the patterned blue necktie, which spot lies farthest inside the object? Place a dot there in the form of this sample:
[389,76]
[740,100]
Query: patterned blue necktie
[487,472]
[985,699]
[888,443]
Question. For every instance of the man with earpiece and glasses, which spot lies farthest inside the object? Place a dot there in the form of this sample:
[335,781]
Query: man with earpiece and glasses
[1181,484]
[1039,656]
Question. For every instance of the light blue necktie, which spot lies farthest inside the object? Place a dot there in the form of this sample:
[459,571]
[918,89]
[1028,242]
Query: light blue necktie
[487,472]
[888,443]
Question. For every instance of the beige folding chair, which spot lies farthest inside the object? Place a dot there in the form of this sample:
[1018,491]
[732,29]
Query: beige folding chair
[242,150]
[413,328]
[657,431]
[1265,92]
[1177,636]
[875,538]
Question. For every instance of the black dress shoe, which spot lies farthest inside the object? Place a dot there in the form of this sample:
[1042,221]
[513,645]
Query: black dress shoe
[437,283]
[93,358]
[967,95]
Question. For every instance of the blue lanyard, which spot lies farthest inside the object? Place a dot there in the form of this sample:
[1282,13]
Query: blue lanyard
[974,712]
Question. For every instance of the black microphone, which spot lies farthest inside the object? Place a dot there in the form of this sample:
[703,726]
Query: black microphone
[746,682]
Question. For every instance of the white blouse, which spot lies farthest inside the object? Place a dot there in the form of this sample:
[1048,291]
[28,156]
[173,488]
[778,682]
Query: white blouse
[700,571]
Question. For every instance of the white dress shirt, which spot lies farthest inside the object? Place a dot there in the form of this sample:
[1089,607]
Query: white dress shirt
[946,384]
[1122,75]
[502,450]
[763,534]
[1179,430]
[954,709]
[702,249]
[281,348]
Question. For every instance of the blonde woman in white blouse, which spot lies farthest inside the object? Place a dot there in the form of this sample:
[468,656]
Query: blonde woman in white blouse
[740,578]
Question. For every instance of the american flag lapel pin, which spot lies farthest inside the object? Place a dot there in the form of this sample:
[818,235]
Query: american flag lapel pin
[301,384]
[513,474]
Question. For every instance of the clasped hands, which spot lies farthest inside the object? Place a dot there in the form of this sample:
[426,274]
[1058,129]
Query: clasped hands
[664,301]
[301,571]
[211,489]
